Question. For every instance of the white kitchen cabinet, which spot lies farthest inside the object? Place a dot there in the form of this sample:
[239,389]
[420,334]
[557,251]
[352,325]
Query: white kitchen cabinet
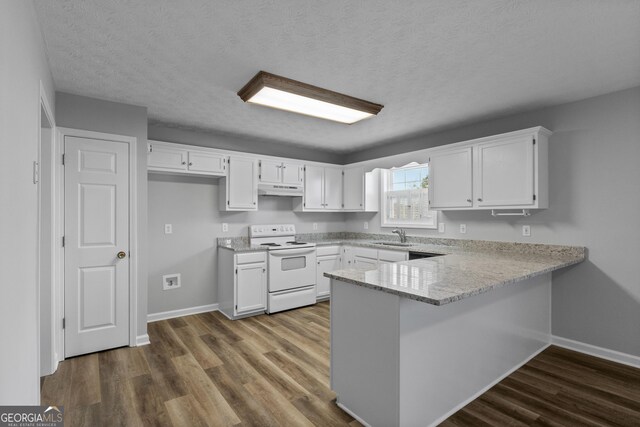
[251,287]
[365,258]
[166,158]
[176,158]
[451,179]
[277,172]
[322,189]
[242,283]
[239,189]
[361,189]
[328,259]
[508,171]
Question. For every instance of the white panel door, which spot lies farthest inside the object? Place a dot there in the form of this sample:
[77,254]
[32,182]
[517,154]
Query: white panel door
[209,163]
[292,174]
[167,158]
[505,173]
[325,264]
[450,179]
[96,231]
[251,287]
[354,188]
[270,171]
[242,181]
[332,188]
[314,187]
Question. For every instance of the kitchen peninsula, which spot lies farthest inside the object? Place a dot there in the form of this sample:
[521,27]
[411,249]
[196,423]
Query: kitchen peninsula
[413,341]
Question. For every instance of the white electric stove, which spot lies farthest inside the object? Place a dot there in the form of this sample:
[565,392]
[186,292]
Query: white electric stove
[291,266]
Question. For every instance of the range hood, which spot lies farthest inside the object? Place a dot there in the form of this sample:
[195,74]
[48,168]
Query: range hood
[280,190]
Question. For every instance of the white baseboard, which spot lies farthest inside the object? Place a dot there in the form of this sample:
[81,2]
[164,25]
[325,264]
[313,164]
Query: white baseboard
[154,317]
[142,340]
[485,389]
[604,353]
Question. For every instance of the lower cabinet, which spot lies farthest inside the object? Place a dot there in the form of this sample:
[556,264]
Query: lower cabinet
[369,258]
[365,258]
[242,283]
[328,259]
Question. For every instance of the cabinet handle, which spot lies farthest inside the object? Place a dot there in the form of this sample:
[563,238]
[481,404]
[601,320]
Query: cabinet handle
[469,200]
[264,270]
[479,199]
[254,203]
[190,164]
[184,163]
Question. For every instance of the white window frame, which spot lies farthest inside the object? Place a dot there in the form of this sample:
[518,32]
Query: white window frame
[384,221]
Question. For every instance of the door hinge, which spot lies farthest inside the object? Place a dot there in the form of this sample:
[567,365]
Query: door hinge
[534,140]
[534,197]
[236,271]
[304,204]
[304,168]
[342,173]
[236,307]
[64,323]
[228,203]
[63,241]
[63,159]
[260,176]
[150,148]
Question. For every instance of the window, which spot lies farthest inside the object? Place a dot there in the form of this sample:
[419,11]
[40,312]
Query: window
[406,198]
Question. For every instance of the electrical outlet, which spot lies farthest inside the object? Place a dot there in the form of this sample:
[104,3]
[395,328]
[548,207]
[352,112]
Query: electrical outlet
[526,230]
[441,227]
[315,225]
[225,227]
[168,229]
[171,281]
[463,228]
[366,225]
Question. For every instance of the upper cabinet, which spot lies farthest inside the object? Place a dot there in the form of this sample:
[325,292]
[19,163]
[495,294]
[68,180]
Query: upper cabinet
[174,158]
[322,189]
[508,171]
[361,189]
[277,172]
[239,189]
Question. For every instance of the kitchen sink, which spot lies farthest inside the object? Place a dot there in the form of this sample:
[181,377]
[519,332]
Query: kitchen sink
[393,244]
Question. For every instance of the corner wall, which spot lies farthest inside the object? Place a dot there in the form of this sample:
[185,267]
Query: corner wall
[594,202]
[79,112]
[23,65]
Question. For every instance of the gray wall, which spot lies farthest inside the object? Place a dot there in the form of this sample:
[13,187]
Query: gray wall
[594,202]
[23,68]
[190,204]
[80,112]
[237,143]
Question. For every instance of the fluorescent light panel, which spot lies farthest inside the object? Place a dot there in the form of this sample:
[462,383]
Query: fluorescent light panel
[290,95]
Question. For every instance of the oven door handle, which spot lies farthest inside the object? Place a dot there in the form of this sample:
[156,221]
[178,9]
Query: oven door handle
[289,252]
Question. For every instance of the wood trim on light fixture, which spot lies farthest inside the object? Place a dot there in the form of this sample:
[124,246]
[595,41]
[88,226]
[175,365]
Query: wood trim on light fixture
[264,79]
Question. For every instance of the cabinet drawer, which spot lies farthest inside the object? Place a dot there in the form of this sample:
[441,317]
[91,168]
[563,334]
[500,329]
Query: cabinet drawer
[366,253]
[327,250]
[392,256]
[251,257]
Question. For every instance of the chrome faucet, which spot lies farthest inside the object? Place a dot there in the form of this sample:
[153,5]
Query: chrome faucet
[400,232]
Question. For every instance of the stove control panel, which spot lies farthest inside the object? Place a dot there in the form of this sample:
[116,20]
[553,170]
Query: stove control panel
[272,230]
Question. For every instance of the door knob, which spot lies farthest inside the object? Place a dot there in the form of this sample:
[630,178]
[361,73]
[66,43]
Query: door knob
[121,254]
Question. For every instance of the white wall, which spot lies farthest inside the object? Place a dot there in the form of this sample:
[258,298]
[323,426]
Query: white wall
[190,204]
[23,65]
[594,202]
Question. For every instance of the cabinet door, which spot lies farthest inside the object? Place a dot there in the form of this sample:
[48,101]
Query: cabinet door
[450,179]
[332,188]
[167,158]
[270,171]
[210,163]
[364,263]
[242,183]
[354,188]
[291,173]
[505,173]
[314,187]
[251,287]
[326,263]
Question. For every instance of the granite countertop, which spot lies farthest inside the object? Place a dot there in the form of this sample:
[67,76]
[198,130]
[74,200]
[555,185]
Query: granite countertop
[445,279]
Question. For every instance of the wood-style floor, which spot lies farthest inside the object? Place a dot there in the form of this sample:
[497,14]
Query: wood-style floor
[274,371]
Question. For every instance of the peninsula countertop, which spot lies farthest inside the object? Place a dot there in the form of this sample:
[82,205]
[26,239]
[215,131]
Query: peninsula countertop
[460,274]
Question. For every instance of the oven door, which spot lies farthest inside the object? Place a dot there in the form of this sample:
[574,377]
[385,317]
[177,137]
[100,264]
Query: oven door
[291,268]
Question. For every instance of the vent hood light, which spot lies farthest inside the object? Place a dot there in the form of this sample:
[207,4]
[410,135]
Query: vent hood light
[290,95]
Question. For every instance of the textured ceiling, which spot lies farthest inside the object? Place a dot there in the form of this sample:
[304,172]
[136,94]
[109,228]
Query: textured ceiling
[432,63]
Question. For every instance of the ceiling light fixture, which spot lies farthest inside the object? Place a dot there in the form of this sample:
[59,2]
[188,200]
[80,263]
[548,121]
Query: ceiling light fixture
[290,95]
